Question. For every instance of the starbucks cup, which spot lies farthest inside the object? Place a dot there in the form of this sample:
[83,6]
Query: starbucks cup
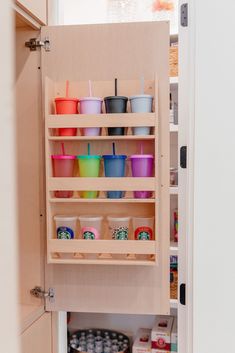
[142,166]
[65,226]
[89,166]
[90,105]
[115,104]
[63,167]
[141,103]
[119,227]
[91,226]
[143,228]
[67,106]
[114,166]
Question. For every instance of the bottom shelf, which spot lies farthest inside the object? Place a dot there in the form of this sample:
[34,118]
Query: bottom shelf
[104,252]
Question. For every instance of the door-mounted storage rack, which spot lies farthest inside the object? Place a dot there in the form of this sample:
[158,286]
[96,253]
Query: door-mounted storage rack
[105,250]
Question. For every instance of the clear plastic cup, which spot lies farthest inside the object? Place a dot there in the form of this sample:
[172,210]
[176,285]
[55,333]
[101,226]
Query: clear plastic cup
[114,166]
[63,166]
[65,105]
[65,226]
[141,103]
[143,228]
[89,166]
[119,227]
[142,166]
[91,226]
[91,105]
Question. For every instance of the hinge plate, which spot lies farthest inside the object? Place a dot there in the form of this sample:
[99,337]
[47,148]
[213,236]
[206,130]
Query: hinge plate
[38,292]
[34,43]
[184,15]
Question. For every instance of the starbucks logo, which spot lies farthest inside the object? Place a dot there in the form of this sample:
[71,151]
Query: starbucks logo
[65,233]
[143,233]
[120,233]
[88,235]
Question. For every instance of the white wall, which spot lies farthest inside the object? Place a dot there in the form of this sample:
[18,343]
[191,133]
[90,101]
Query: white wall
[8,215]
[214,177]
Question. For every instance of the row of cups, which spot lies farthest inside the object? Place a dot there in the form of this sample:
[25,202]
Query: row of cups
[114,166]
[141,103]
[91,227]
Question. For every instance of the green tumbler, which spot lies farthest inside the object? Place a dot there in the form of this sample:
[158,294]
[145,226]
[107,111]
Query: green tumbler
[89,166]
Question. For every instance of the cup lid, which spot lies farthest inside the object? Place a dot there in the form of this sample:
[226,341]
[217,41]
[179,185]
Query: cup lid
[115,97]
[141,96]
[93,218]
[86,156]
[142,156]
[64,218]
[119,218]
[58,99]
[90,99]
[62,156]
[114,156]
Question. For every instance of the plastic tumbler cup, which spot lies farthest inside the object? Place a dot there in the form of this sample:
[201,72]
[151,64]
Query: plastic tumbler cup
[65,226]
[67,106]
[119,227]
[91,105]
[115,166]
[91,227]
[89,166]
[141,103]
[142,166]
[63,166]
[115,104]
[143,228]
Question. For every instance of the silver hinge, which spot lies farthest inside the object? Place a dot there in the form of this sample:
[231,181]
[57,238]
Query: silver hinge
[184,15]
[34,43]
[38,292]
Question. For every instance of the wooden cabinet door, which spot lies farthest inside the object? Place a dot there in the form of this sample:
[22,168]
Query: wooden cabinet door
[38,337]
[35,8]
[101,53]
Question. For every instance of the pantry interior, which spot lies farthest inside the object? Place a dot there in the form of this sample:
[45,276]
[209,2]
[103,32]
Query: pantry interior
[35,93]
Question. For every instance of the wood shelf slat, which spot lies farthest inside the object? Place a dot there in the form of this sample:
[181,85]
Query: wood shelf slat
[100,184]
[103,262]
[101,138]
[100,200]
[102,120]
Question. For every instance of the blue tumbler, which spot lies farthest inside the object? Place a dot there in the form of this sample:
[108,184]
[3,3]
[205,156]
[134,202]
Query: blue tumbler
[114,166]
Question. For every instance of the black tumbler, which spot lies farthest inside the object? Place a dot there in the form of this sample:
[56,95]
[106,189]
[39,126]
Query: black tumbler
[115,104]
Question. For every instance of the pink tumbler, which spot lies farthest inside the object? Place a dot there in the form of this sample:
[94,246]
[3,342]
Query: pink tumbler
[63,166]
[142,166]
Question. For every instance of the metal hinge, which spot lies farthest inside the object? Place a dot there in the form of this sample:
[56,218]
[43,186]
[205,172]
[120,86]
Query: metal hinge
[183,157]
[184,15]
[183,294]
[38,292]
[34,43]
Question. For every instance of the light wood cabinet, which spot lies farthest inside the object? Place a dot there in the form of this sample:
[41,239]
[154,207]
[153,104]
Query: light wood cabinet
[35,8]
[38,338]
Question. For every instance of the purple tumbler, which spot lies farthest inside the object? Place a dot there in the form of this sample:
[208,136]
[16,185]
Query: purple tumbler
[142,166]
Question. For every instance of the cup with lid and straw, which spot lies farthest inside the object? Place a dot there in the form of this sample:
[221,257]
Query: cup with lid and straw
[114,166]
[63,167]
[115,104]
[141,103]
[90,105]
[89,166]
[66,105]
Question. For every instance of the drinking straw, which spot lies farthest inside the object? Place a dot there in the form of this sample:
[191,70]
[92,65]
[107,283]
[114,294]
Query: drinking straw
[90,88]
[114,149]
[62,148]
[141,148]
[67,89]
[115,86]
[142,85]
[88,149]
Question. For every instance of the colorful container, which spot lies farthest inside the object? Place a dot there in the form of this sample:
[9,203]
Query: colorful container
[143,228]
[142,166]
[91,105]
[63,167]
[141,103]
[119,227]
[91,227]
[115,166]
[89,166]
[66,106]
[65,226]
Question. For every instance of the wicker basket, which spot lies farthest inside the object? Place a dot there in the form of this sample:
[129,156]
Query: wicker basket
[174,284]
[173,61]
